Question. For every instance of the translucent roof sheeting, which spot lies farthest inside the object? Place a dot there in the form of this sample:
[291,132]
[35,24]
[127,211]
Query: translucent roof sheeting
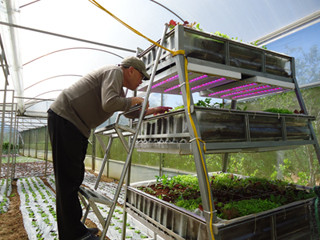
[77,37]
[304,46]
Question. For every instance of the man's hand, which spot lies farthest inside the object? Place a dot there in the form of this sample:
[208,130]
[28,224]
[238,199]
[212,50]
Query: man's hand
[137,101]
[159,110]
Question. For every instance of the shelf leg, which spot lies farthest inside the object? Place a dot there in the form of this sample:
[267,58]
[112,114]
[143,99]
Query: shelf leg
[198,152]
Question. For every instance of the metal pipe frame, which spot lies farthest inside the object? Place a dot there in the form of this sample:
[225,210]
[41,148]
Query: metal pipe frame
[198,153]
[228,146]
[65,36]
[5,69]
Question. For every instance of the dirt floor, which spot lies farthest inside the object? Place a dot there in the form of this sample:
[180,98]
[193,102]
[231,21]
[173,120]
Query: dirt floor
[11,223]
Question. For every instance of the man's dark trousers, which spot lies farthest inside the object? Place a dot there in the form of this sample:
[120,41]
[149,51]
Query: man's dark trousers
[69,148]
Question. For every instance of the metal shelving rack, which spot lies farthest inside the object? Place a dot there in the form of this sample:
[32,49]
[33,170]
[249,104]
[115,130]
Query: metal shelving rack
[226,69]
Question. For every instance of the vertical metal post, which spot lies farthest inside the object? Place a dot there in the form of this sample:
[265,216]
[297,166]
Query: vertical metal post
[16,139]
[46,149]
[225,156]
[36,130]
[161,154]
[134,139]
[199,157]
[29,138]
[1,135]
[304,108]
[104,161]
[3,120]
[9,155]
[93,154]
[104,148]
[5,69]
[124,218]
[24,143]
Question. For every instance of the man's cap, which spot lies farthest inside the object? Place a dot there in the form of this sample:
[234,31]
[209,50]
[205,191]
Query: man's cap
[137,64]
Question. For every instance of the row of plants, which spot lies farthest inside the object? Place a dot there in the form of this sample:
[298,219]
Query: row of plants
[234,195]
[207,103]
[196,26]
[115,229]
[19,159]
[4,193]
[6,146]
[108,189]
[116,225]
[37,208]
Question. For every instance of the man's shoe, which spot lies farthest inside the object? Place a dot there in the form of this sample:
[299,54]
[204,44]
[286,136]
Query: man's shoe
[93,231]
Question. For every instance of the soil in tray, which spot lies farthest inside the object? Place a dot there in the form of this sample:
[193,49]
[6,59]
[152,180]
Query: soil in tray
[233,195]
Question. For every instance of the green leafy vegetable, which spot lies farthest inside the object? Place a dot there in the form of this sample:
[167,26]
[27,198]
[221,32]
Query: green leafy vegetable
[278,110]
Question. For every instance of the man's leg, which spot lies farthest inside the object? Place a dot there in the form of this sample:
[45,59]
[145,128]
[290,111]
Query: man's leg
[68,150]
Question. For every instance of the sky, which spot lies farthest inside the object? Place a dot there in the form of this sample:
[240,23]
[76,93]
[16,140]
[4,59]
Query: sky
[304,46]
[303,39]
[246,19]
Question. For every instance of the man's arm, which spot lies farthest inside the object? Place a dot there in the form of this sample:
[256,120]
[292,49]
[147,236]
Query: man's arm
[136,101]
[157,110]
[135,112]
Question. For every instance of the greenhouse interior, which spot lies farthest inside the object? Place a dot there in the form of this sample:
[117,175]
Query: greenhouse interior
[235,155]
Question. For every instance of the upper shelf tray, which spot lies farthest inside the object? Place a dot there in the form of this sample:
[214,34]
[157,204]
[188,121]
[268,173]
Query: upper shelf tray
[225,130]
[215,62]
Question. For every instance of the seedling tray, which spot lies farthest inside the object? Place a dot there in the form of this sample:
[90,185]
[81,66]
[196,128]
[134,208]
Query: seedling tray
[224,130]
[219,60]
[208,47]
[292,221]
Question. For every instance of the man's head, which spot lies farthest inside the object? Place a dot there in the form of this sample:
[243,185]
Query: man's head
[137,64]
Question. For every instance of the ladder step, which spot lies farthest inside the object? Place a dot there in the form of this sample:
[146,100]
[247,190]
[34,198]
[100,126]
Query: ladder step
[111,130]
[94,196]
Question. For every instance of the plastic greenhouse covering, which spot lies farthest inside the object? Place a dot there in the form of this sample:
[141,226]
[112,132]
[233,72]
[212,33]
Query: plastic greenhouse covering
[47,45]
[50,44]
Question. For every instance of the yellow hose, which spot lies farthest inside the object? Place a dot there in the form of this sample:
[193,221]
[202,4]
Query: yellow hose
[136,31]
[198,145]
[174,53]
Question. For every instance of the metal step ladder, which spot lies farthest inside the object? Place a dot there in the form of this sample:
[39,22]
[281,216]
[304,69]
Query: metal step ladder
[93,198]
[89,197]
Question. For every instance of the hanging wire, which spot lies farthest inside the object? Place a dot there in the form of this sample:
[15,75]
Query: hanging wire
[27,4]
[65,49]
[55,90]
[65,36]
[168,9]
[62,75]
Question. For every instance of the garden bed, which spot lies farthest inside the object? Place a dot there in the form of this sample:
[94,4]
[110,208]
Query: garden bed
[28,209]
[234,196]
[246,207]
[27,167]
